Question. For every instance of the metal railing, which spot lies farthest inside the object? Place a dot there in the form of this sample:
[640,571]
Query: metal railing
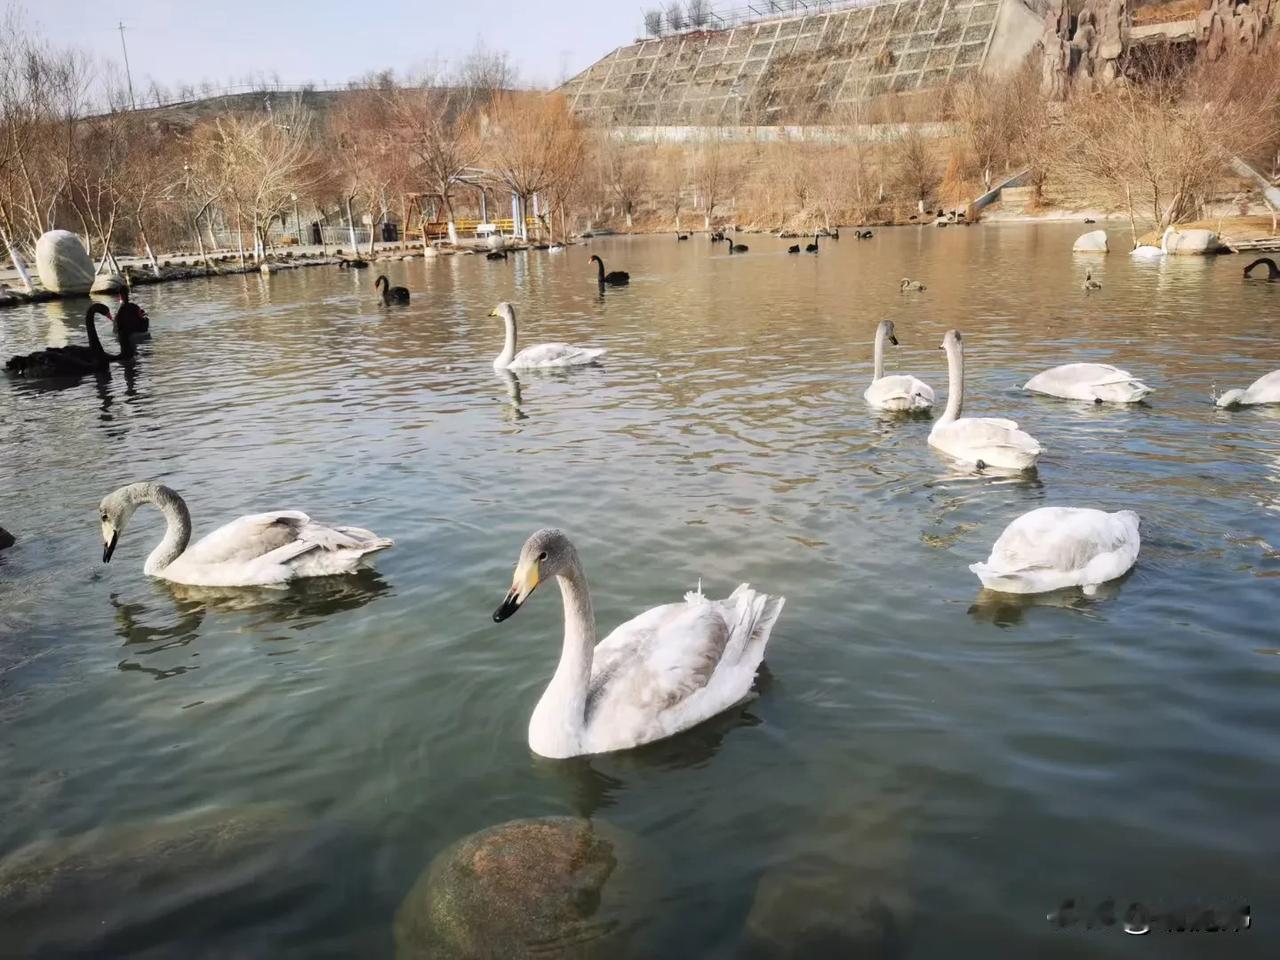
[715,19]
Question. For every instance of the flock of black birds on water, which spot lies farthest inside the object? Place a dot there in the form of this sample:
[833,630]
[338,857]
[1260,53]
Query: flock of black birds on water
[131,323]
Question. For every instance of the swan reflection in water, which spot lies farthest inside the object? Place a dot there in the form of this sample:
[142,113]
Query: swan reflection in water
[1009,609]
[512,409]
[145,632]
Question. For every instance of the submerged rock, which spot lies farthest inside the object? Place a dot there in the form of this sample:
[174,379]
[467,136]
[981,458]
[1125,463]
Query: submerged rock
[546,887]
[74,894]
[1095,241]
[63,263]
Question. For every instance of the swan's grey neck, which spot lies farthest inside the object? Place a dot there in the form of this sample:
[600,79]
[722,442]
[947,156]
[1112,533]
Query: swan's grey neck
[177,532]
[880,339]
[509,348]
[562,712]
[955,376]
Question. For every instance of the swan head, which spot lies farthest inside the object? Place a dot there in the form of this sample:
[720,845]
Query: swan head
[114,512]
[546,554]
[1231,398]
[504,310]
[887,327]
[593,259]
[952,340]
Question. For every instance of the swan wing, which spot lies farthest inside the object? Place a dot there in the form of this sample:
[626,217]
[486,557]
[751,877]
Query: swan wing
[1265,389]
[273,547]
[555,355]
[1055,547]
[1089,381]
[899,392]
[676,665]
[996,442]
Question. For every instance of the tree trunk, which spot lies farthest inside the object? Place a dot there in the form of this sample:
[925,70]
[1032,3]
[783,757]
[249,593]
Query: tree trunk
[106,244]
[351,228]
[200,242]
[1133,224]
[18,264]
[240,234]
[146,244]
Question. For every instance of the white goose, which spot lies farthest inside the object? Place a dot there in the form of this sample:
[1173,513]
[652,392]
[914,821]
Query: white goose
[1148,252]
[1266,389]
[544,355]
[1057,547]
[983,441]
[899,392]
[1094,382]
[264,549]
[660,673]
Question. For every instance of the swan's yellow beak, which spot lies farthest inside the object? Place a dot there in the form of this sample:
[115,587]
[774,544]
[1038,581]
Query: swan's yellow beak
[493,312]
[110,535]
[522,584]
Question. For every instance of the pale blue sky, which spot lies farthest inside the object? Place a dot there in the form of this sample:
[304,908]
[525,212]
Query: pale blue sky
[180,41]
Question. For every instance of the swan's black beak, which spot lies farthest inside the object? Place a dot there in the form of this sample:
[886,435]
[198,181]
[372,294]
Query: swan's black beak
[893,339]
[109,547]
[509,606]
[522,584]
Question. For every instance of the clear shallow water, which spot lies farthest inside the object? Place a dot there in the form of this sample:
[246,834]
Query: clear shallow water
[950,763]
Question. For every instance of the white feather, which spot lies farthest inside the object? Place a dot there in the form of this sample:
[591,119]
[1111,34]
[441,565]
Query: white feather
[1056,547]
[1089,381]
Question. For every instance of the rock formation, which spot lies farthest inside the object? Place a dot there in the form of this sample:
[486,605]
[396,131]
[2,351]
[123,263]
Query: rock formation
[63,263]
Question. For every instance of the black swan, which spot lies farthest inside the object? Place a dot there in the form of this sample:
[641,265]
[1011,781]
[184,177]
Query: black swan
[615,278]
[391,294]
[75,360]
[131,317]
[736,247]
[812,247]
[6,539]
[716,237]
[344,264]
[682,236]
[794,248]
[1273,272]
[496,255]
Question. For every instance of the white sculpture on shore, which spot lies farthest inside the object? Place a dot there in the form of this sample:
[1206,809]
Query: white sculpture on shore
[63,263]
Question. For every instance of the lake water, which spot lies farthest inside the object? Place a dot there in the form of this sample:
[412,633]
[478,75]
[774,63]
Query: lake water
[927,771]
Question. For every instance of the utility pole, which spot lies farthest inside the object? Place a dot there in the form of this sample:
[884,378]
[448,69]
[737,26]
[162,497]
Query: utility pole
[129,76]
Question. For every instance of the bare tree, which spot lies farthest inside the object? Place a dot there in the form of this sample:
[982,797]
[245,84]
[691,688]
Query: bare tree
[715,174]
[913,170]
[625,172]
[675,16]
[653,22]
[698,12]
[535,137]
[437,128]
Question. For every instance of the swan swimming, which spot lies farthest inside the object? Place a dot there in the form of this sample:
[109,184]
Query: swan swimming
[1056,547]
[544,355]
[1266,389]
[263,549]
[900,392]
[660,673]
[1092,382]
[1148,252]
[983,441]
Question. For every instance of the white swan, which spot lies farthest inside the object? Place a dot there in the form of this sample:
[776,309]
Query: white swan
[984,441]
[660,673]
[543,355]
[1148,252]
[900,391]
[1057,547]
[1266,389]
[262,549]
[1094,382]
